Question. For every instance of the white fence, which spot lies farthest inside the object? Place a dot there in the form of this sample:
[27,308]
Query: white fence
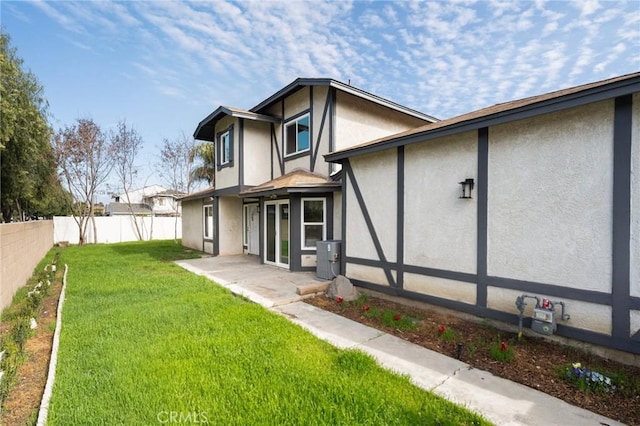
[116,229]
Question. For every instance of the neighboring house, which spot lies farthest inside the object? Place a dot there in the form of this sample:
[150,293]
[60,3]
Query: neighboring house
[554,210]
[274,194]
[153,200]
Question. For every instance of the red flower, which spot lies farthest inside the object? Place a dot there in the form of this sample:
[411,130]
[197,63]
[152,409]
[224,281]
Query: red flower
[503,346]
[365,308]
[441,329]
[339,299]
[397,317]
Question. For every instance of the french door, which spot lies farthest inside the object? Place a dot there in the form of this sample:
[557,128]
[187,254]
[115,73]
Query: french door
[276,241]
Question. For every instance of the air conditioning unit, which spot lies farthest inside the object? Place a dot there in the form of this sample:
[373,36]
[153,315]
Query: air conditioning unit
[328,259]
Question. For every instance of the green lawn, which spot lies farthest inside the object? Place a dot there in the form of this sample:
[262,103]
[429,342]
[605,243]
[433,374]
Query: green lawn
[145,342]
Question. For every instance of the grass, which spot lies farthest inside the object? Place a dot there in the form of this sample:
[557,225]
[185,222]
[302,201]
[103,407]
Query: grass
[145,342]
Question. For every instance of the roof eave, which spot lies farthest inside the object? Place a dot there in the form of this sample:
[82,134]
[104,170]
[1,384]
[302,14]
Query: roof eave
[583,97]
[206,128]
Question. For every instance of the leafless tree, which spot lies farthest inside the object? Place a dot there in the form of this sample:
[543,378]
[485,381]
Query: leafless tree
[126,144]
[85,159]
[176,163]
[175,166]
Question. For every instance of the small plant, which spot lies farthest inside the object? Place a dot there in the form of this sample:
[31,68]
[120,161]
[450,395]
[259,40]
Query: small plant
[339,299]
[446,334]
[502,352]
[586,379]
[397,320]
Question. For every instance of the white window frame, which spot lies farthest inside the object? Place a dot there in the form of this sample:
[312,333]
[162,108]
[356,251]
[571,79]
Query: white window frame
[303,223]
[291,122]
[225,135]
[207,226]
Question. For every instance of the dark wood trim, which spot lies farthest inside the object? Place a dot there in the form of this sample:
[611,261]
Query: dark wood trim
[481,215]
[319,140]
[400,218]
[620,286]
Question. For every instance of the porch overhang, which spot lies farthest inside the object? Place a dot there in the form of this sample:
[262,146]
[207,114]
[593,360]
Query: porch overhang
[294,182]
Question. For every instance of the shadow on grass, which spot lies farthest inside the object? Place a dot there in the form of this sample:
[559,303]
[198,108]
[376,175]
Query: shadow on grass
[161,250]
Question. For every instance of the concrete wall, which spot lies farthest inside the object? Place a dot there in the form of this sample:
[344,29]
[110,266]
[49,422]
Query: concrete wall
[22,247]
[116,229]
[192,226]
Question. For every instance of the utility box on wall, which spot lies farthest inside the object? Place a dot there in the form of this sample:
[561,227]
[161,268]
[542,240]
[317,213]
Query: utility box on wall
[328,259]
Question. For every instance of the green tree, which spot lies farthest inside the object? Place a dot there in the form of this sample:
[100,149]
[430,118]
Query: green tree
[27,167]
[204,156]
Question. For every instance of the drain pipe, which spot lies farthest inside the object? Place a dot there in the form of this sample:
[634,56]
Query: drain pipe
[521,304]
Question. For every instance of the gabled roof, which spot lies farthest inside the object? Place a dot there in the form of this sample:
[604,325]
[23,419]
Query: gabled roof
[299,83]
[502,113]
[298,180]
[206,128]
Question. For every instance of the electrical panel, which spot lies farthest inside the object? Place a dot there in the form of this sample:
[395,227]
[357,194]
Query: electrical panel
[328,259]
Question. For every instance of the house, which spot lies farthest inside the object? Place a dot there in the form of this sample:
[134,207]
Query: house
[536,197]
[152,200]
[275,196]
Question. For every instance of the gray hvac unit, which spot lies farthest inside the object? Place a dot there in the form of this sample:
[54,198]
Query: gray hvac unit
[327,259]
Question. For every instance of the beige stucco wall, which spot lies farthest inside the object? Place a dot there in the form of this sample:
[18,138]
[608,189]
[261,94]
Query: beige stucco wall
[440,228]
[549,198]
[440,287]
[230,232]
[319,100]
[589,316]
[192,217]
[296,103]
[368,273]
[359,121]
[634,320]
[257,152]
[228,176]
[635,199]
[22,247]
[377,178]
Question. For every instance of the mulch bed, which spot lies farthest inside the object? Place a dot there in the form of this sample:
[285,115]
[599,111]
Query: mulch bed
[537,362]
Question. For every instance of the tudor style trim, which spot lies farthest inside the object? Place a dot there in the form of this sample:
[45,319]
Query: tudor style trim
[620,285]
[482,215]
[320,131]
[400,218]
[368,221]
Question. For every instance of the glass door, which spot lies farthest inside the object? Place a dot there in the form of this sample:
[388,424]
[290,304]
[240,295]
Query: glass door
[276,239]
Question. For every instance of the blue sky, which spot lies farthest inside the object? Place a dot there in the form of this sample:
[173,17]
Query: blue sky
[164,65]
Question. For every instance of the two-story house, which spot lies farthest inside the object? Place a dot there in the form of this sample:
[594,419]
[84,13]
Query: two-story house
[274,195]
[152,200]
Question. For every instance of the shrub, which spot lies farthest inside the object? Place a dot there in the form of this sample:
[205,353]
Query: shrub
[500,351]
[589,380]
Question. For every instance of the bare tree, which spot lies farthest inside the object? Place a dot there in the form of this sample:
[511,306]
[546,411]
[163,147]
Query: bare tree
[176,163]
[126,144]
[84,159]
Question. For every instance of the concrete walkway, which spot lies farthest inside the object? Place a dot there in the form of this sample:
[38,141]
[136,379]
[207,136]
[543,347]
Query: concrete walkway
[501,401]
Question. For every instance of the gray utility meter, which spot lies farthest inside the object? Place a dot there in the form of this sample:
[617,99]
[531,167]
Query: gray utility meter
[543,320]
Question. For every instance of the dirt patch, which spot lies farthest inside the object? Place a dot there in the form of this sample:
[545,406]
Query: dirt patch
[536,362]
[22,403]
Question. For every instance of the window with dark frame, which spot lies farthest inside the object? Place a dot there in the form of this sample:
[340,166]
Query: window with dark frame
[298,136]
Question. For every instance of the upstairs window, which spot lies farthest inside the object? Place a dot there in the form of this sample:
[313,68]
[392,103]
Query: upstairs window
[297,135]
[225,148]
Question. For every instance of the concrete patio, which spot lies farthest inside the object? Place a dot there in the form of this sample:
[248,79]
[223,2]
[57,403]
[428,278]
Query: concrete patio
[264,284]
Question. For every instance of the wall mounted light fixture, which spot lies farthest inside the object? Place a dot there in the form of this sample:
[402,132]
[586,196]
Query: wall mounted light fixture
[467,187]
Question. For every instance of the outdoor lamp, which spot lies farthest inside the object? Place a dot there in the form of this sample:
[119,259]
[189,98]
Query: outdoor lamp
[467,187]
